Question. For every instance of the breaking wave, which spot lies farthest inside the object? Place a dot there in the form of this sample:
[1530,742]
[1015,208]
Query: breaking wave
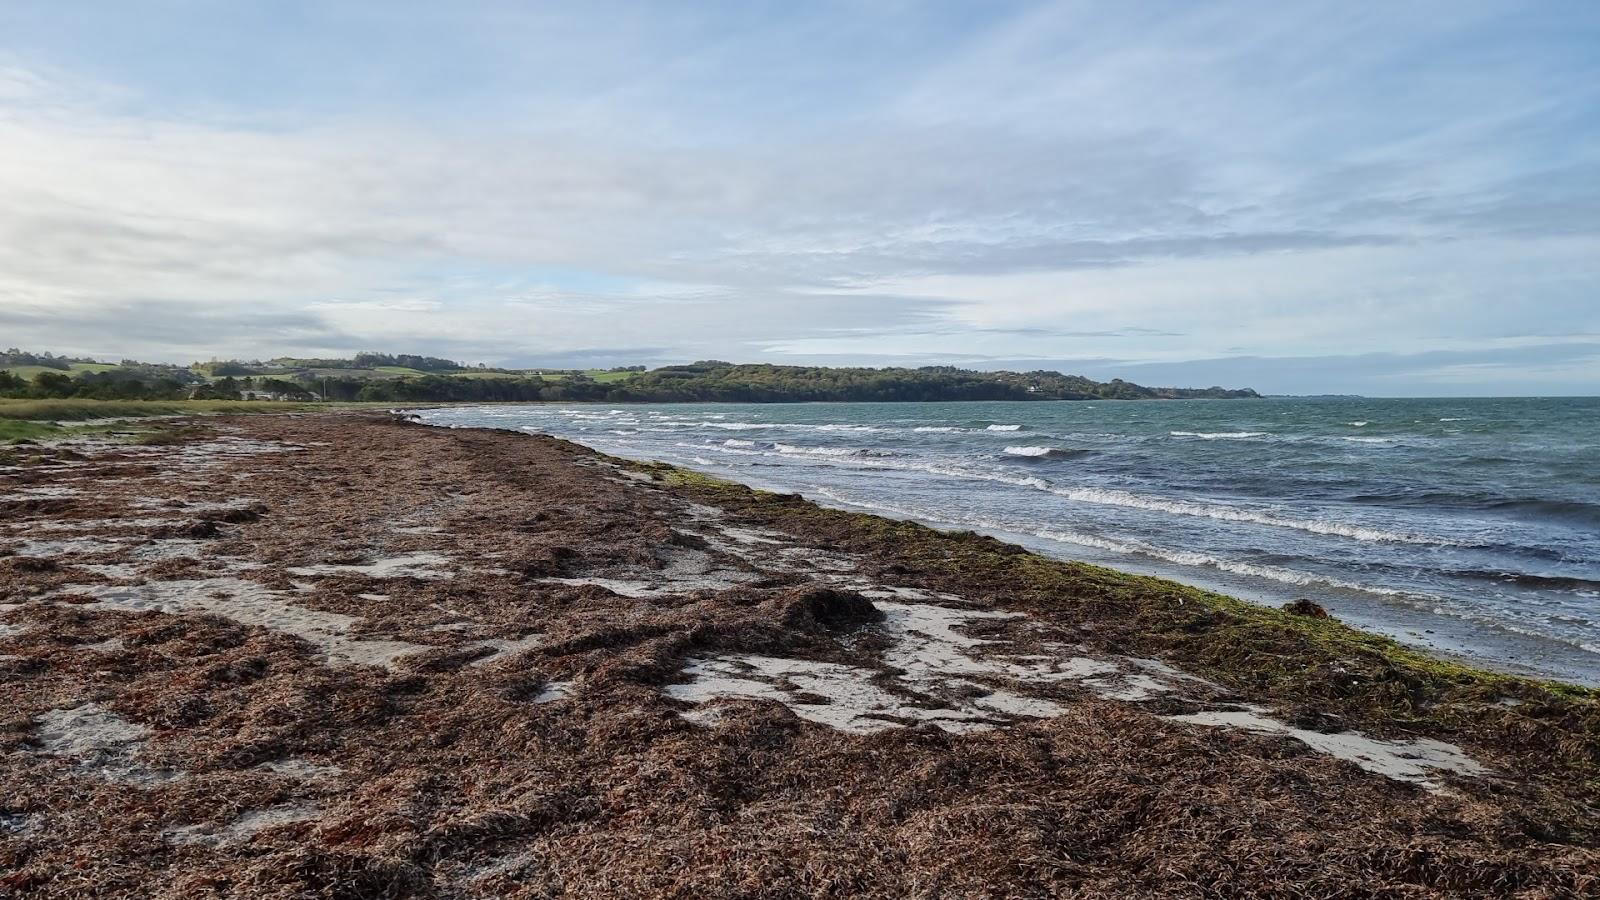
[1044,452]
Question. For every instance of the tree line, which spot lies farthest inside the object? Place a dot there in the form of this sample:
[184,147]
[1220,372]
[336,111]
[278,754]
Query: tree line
[707,381]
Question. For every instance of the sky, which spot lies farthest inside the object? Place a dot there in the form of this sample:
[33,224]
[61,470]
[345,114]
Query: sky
[1383,198]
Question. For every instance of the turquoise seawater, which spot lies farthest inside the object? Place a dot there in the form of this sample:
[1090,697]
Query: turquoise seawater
[1468,526]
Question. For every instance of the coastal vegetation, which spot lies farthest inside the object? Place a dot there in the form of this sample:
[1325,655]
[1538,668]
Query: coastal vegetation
[408,378]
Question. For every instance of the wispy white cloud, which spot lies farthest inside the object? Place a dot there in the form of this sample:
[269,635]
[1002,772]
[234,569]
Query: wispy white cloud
[1150,183]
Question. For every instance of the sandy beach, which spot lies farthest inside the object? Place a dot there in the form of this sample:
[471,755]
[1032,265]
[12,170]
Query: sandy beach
[346,655]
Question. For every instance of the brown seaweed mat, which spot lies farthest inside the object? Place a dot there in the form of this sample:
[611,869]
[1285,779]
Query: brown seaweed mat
[341,655]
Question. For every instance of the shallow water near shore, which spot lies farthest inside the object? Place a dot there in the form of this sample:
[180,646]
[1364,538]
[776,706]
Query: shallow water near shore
[1467,526]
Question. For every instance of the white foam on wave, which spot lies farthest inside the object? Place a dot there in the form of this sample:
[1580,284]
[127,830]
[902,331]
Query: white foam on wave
[1127,499]
[1109,497]
[1370,440]
[1137,548]
[1358,424]
[1004,428]
[792,450]
[1201,560]
[936,429]
[1219,435]
[787,426]
[1028,451]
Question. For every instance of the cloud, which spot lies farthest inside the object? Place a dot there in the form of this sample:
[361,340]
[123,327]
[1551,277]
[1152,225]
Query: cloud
[1151,184]
[1533,370]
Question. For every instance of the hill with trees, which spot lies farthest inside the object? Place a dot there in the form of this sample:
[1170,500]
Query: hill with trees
[409,378]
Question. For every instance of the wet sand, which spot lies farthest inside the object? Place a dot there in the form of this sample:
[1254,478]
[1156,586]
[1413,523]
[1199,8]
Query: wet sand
[344,655]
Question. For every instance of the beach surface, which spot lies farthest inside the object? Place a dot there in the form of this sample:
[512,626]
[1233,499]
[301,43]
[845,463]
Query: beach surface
[346,655]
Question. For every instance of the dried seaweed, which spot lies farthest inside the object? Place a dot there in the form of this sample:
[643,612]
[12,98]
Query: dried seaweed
[457,771]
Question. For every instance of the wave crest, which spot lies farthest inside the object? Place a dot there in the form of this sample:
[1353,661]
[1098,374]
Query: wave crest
[1044,452]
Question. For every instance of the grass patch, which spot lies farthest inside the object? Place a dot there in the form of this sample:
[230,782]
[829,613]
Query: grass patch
[12,430]
[32,420]
[77,410]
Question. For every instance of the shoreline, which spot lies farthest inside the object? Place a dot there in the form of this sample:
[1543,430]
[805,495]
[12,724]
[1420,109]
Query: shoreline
[287,652]
[1413,633]
[1417,620]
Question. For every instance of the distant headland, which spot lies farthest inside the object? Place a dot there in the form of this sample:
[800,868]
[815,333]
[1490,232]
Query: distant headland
[412,378]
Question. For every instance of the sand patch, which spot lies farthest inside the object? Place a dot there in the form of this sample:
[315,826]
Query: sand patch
[504,648]
[44,492]
[95,524]
[102,742]
[169,548]
[249,603]
[839,696]
[751,536]
[300,768]
[952,675]
[214,453]
[685,571]
[554,691]
[1412,761]
[68,547]
[21,824]
[411,565]
[109,570]
[246,826]
[811,559]
[237,504]
[941,676]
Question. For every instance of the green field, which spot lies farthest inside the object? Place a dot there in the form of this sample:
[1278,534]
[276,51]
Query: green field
[26,373]
[599,375]
[77,410]
[470,373]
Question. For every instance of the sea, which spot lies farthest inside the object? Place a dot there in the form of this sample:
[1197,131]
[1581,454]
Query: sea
[1470,527]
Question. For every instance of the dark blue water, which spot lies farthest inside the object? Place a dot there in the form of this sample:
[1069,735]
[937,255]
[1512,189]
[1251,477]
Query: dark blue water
[1468,526]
